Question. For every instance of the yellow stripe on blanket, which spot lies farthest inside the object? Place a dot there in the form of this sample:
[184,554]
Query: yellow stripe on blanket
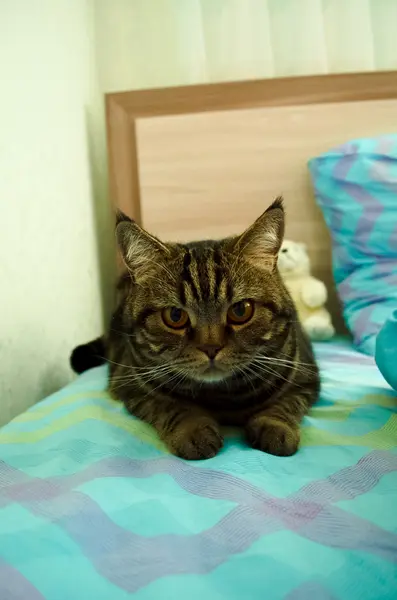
[136,428]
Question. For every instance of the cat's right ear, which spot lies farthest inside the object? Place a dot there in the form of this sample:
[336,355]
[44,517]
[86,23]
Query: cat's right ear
[139,248]
[260,243]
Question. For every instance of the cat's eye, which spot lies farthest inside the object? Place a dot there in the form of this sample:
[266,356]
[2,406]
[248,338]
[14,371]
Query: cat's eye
[175,318]
[240,312]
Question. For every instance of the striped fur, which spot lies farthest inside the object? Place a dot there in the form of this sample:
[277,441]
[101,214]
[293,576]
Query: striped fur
[264,378]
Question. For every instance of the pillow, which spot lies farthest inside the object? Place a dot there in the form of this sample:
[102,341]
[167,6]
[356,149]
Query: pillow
[356,187]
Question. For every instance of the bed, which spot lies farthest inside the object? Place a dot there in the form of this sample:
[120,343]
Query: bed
[91,503]
[93,506]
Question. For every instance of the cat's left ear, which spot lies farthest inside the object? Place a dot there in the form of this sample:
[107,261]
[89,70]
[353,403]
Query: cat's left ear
[140,250]
[261,242]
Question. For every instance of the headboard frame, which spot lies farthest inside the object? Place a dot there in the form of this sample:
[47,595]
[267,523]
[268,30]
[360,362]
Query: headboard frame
[204,161]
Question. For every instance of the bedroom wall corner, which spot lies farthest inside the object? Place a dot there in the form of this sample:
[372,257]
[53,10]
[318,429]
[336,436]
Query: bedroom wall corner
[49,274]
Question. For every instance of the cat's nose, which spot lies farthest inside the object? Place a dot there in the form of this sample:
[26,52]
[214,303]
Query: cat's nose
[211,350]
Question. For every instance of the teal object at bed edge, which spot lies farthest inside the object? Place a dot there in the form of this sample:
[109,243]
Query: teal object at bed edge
[386,350]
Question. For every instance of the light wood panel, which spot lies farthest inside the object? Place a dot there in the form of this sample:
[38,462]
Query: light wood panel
[124,108]
[204,161]
[211,174]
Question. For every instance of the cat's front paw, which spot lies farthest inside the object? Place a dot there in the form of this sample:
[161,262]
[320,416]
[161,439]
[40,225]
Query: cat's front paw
[196,439]
[273,436]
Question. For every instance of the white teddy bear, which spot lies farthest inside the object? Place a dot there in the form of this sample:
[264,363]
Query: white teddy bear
[308,293]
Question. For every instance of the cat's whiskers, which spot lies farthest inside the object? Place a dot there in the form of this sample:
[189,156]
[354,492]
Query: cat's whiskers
[246,376]
[122,333]
[265,356]
[162,383]
[145,378]
[264,365]
[284,363]
[151,368]
[270,371]
[272,359]
[184,377]
[261,370]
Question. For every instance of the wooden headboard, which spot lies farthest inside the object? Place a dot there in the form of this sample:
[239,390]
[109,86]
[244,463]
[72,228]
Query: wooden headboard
[204,161]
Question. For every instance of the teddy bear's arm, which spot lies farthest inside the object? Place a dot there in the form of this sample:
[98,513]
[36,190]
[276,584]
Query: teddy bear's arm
[314,293]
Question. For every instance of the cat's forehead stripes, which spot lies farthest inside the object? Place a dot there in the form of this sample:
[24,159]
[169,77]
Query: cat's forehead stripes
[188,289]
[203,276]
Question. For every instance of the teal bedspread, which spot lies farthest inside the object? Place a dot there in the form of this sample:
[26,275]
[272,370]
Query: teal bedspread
[93,507]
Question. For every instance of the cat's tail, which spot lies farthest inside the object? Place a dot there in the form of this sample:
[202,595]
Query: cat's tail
[88,356]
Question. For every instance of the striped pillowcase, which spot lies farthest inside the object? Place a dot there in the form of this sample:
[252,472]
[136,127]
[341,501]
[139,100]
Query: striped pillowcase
[356,187]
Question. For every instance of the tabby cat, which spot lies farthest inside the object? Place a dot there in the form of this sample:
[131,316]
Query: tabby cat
[205,334]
